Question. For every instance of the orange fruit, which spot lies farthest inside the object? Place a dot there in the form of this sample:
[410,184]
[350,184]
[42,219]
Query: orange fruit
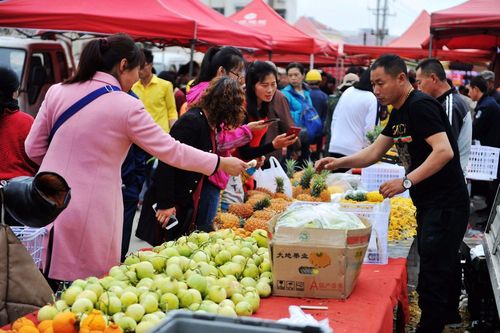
[94,321]
[28,329]
[49,330]
[113,328]
[44,325]
[20,322]
[64,322]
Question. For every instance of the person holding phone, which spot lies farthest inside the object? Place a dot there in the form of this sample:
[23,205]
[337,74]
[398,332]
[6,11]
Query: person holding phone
[175,191]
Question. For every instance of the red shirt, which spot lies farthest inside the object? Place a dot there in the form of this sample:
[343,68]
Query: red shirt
[14,128]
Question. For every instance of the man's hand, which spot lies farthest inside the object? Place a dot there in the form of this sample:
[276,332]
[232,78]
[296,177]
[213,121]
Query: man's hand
[326,163]
[163,216]
[391,187]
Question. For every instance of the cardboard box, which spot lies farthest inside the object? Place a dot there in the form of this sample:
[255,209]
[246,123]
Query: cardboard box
[318,263]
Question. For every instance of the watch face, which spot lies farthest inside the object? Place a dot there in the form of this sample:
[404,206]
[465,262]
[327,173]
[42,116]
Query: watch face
[407,183]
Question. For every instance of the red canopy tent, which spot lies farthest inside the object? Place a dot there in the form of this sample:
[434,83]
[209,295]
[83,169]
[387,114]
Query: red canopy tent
[473,24]
[216,29]
[306,26]
[152,20]
[286,39]
[408,45]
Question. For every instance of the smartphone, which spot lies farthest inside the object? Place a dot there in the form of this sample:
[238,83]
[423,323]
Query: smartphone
[172,222]
[293,131]
[269,121]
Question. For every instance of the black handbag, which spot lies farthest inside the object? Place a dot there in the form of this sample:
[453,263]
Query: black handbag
[34,201]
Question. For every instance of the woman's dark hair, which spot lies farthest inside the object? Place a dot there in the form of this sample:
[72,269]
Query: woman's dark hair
[104,53]
[228,57]
[257,72]
[297,65]
[364,82]
[223,103]
[9,83]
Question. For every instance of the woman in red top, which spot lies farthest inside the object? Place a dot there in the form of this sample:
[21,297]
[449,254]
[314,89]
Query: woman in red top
[14,128]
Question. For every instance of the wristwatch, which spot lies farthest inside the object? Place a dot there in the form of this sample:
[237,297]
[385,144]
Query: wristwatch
[407,183]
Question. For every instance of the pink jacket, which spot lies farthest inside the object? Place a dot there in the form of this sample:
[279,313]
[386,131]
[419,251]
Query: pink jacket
[227,141]
[88,151]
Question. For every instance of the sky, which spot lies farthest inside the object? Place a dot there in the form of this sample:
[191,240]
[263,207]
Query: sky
[352,15]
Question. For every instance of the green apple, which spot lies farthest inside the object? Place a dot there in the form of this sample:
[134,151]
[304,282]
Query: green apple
[61,305]
[217,294]
[251,271]
[227,302]
[265,266]
[135,311]
[239,259]
[149,302]
[198,282]
[200,256]
[169,301]
[248,282]
[70,294]
[222,257]
[244,308]
[260,236]
[96,288]
[145,326]
[89,294]
[209,307]
[82,305]
[117,317]
[144,269]
[167,285]
[237,297]
[159,314]
[263,289]
[47,312]
[117,290]
[169,252]
[127,324]
[254,300]
[268,275]
[79,283]
[109,304]
[132,277]
[150,317]
[174,271]
[145,282]
[246,252]
[227,311]
[158,262]
[128,298]
[189,297]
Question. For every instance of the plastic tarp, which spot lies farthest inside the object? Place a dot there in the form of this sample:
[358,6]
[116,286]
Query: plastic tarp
[285,38]
[148,18]
[473,24]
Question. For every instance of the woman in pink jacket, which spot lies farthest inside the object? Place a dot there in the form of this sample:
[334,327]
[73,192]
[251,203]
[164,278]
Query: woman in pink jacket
[89,148]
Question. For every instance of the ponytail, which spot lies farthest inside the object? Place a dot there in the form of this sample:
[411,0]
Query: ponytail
[104,54]
[204,74]
[227,57]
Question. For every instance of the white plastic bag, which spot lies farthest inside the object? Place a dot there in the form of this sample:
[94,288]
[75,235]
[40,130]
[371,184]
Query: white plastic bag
[267,178]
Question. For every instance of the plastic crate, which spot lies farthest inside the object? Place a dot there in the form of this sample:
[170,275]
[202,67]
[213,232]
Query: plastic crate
[483,163]
[184,321]
[378,214]
[33,239]
[375,175]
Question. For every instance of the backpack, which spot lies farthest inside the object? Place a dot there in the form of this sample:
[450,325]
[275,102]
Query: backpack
[310,123]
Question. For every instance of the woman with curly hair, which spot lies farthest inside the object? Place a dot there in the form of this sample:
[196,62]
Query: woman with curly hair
[175,191]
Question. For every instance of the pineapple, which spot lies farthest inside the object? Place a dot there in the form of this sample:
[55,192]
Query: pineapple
[252,193]
[305,197]
[263,214]
[254,223]
[319,189]
[290,167]
[266,202]
[278,207]
[226,221]
[309,171]
[264,190]
[280,188]
[241,209]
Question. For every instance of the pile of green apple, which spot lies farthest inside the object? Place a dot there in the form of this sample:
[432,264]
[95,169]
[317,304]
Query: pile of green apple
[215,272]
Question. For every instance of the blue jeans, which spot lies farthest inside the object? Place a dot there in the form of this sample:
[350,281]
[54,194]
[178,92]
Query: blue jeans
[207,207]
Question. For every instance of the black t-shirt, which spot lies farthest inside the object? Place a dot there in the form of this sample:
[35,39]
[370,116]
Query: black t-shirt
[420,117]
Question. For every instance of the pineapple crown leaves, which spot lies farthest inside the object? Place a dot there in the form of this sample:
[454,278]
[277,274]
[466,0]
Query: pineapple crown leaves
[309,172]
[318,185]
[290,167]
[280,185]
[261,204]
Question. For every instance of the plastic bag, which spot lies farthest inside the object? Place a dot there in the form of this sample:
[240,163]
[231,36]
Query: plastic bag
[299,317]
[267,178]
[347,180]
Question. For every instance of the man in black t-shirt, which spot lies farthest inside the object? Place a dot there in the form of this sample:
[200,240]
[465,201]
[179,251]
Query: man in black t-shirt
[420,129]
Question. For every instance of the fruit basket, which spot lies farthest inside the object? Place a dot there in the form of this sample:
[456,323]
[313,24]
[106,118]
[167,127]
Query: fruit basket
[183,321]
[33,240]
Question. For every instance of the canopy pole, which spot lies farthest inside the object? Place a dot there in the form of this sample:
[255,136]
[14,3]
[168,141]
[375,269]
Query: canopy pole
[191,58]
[431,37]
[270,53]
[311,62]
[337,70]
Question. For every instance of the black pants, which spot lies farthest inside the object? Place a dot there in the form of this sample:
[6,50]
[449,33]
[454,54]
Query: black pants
[439,234]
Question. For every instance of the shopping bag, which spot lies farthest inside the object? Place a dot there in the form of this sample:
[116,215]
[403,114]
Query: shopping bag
[267,178]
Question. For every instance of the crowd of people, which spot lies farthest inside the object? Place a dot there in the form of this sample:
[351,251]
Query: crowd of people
[185,144]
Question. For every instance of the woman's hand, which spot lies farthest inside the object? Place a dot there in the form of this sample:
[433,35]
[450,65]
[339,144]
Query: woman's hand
[163,216]
[232,165]
[260,162]
[282,141]
[257,125]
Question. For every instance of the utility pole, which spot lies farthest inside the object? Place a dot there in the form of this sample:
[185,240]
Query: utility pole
[377,24]
[384,31]
[380,22]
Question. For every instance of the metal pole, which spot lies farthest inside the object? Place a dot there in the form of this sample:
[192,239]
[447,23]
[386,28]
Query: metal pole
[431,37]
[191,58]
[382,31]
[377,28]
[311,62]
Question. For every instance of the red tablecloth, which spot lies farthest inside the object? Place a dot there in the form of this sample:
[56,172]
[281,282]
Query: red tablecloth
[369,308]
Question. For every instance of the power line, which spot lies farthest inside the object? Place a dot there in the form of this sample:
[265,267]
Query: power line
[381,14]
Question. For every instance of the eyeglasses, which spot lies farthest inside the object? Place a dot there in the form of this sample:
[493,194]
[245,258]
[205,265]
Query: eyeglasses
[239,76]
